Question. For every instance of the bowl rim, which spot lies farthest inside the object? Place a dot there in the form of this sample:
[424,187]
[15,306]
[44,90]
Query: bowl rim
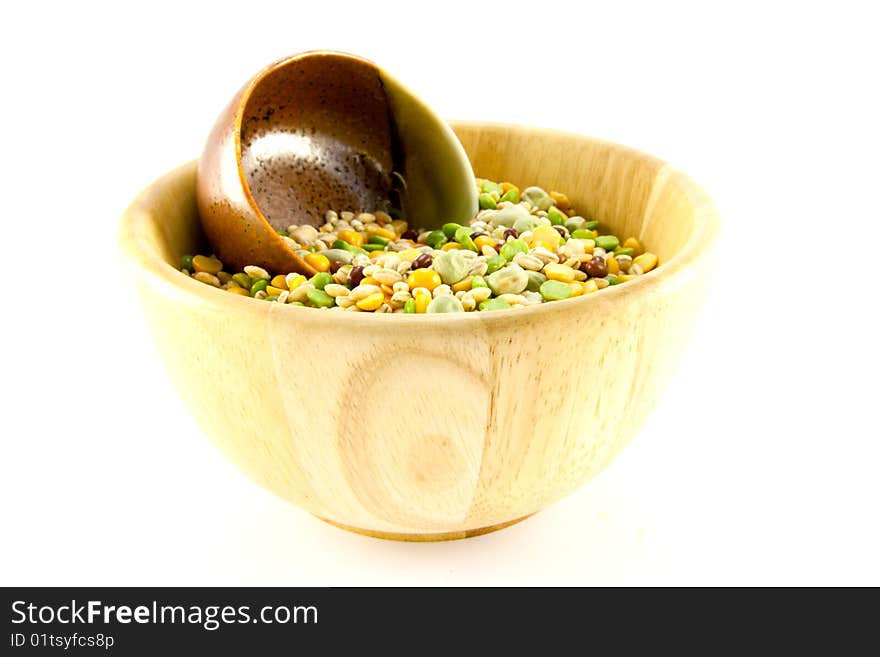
[135,243]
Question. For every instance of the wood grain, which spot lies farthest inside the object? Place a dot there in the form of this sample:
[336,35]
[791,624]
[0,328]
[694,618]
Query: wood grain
[419,428]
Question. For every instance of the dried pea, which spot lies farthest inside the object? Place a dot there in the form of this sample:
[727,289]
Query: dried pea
[494,263]
[508,216]
[244,281]
[436,238]
[556,217]
[555,290]
[511,279]
[258,286]
[319,262]
[563,257]
[537,197]
[512,247]
[490,187]
[536,279]
[321,280]
[320,298]
[445,303]
[511,196]
[647,261]
[342,245]
[452,266]
[494,304]
[449,230]
[463,237]
[209,265]
[607,242]
[526,223]
[487,202]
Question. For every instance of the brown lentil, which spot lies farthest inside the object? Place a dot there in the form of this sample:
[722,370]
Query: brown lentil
[356,276]
[423,261]
[595,267]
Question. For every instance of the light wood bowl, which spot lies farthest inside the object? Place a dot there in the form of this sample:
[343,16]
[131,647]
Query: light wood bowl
[432,428]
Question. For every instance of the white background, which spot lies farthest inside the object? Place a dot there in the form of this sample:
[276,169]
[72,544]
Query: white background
[760,464]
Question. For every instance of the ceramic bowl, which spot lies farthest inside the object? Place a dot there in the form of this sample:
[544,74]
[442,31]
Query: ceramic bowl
[317,131]
[430,428]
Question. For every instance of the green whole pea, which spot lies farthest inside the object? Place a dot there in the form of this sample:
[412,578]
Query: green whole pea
[320,298]
[186,262]
[556,217]
[555,290]
[376,239]
[511,196]
[436,239]
[373,247]
[607,242]
[624,251]
[258,286]
[345,246]
[494,263]
[463,237]
[584,234]
[243,280]
[612,279]
[487,202]
[592,225]
[449,230]
[512,247]
[494,304]
[409,307]
[321,280]
[272,297]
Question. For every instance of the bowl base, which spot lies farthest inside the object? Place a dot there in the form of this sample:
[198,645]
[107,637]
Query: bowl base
[425,538]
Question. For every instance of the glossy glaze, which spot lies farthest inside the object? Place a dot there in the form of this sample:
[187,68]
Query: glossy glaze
[324,131]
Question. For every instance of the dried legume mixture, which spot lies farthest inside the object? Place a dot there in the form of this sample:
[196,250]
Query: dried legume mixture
[523,248]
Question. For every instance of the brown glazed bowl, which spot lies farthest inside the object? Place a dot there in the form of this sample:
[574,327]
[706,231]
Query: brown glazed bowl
[322,131]
[431,427]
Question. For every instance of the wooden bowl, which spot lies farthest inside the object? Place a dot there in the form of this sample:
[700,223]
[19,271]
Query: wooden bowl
[431,428]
